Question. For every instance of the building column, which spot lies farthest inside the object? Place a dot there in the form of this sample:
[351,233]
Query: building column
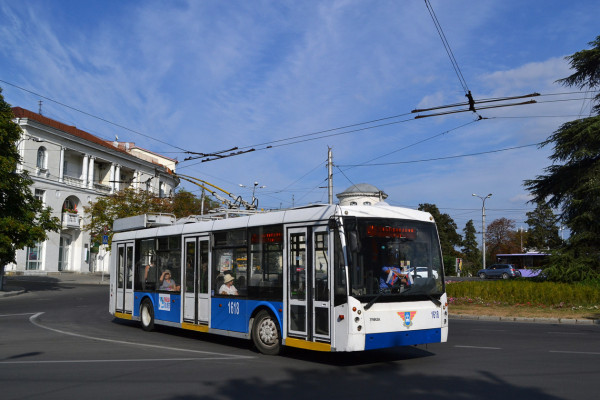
[118,178]
[84,171]
[91,174]
[61,166]
[112,178]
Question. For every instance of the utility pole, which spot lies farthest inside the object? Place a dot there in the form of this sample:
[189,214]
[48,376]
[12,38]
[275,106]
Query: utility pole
[330,174]
[483,226]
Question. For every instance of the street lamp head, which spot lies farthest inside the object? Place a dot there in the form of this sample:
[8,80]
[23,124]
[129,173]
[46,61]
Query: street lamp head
[489,195]
[474,195]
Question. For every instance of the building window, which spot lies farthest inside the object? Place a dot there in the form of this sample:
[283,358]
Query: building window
[69,206]
[41,158]
[34,256]
[39,194]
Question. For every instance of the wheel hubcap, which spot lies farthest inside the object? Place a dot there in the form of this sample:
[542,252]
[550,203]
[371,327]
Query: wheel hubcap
[268,332]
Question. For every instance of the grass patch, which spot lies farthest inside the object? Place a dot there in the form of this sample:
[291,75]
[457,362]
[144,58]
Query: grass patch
[525,298]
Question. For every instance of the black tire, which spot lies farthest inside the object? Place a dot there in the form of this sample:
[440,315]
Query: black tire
[147,316]
[505,276]
[266,334]
[482,275]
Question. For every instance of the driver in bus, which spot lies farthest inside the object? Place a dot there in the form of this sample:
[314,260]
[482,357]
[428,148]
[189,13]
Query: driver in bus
[392,275]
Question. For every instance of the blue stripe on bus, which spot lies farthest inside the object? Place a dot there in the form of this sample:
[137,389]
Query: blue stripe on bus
[167,306]
[233,314]
[406,338]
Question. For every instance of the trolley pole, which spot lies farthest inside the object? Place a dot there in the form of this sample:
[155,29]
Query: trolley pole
[330,174]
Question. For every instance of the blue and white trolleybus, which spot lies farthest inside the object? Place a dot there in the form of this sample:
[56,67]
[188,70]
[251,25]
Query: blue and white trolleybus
[322,277]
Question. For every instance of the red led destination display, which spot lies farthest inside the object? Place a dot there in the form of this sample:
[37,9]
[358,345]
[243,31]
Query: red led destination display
[391,232]
[273,237]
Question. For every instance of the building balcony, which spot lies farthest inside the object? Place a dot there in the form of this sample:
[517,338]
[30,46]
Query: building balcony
[69,180]
[102,188]
[70,221]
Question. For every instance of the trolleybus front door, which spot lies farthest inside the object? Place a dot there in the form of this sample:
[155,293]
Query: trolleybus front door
[308,283]
[195,296]
[125,278]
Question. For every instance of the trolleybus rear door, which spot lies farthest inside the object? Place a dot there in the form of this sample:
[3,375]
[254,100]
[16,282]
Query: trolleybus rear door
[195,297]
[125,278]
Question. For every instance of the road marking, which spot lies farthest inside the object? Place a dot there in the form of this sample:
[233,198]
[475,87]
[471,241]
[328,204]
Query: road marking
[575,352]
[33,320]
[479,347]
[565,333]
[16,315]
[112,361]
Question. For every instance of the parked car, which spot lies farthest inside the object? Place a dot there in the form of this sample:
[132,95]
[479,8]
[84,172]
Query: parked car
[504,271]
[423,272]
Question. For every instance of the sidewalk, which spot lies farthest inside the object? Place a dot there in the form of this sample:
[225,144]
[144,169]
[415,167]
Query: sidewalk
[13,288]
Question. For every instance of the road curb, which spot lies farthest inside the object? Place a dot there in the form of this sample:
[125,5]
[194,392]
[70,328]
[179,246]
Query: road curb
[565,321]
[13,292]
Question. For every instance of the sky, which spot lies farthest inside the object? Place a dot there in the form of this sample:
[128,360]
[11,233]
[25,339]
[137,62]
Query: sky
[292,79]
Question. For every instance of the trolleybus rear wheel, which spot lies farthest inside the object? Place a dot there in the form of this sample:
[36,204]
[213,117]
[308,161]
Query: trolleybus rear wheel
[265,334]
[147,315]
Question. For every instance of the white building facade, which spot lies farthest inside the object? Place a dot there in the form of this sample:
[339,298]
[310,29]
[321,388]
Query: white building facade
[70,169]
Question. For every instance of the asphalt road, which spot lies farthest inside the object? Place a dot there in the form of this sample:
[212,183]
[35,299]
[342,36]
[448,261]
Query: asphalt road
[58,341]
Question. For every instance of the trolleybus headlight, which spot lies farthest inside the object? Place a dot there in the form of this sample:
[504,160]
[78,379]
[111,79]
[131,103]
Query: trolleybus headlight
[359,327]
[356,320]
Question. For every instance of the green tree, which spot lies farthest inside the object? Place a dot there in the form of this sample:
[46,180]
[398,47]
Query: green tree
[470,248]
[543,228]
[501,238]
[572,182]
[102,213]
[450,240]
[23,218]
[186,203]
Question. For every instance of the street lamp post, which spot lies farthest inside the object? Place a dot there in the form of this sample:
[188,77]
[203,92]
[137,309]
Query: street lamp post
[483,199]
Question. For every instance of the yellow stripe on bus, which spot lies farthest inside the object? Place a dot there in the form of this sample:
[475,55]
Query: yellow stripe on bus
[192,327]
[123,315]
[303,344]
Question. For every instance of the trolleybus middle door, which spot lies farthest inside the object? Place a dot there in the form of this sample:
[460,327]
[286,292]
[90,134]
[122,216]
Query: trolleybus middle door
[195,298]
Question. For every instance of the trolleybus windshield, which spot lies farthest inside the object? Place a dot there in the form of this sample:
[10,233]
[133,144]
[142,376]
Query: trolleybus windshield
[393,260]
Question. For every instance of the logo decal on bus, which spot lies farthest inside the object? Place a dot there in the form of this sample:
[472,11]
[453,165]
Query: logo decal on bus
[164,302]
[407,318]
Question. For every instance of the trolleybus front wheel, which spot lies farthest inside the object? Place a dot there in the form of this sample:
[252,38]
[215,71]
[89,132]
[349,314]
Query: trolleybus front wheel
[147,315]
[265,334]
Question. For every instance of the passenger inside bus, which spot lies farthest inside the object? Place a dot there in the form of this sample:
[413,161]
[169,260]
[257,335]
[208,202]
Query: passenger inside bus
[227,286]
[149,282]
[167,283]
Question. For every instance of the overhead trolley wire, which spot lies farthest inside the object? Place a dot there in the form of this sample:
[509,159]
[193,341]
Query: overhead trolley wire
[440,31]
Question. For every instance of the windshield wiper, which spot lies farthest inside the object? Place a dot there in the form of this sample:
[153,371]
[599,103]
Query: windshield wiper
[373,300]
[435,301]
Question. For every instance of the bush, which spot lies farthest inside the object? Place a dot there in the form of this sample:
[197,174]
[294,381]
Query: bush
[524,291]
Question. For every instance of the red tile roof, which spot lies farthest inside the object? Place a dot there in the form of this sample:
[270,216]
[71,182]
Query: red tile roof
[23,113]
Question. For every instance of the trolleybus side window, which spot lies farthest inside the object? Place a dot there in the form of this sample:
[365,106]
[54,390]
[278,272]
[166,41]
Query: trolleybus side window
[169,262]
[146,271]
[230,262]
[266,263]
